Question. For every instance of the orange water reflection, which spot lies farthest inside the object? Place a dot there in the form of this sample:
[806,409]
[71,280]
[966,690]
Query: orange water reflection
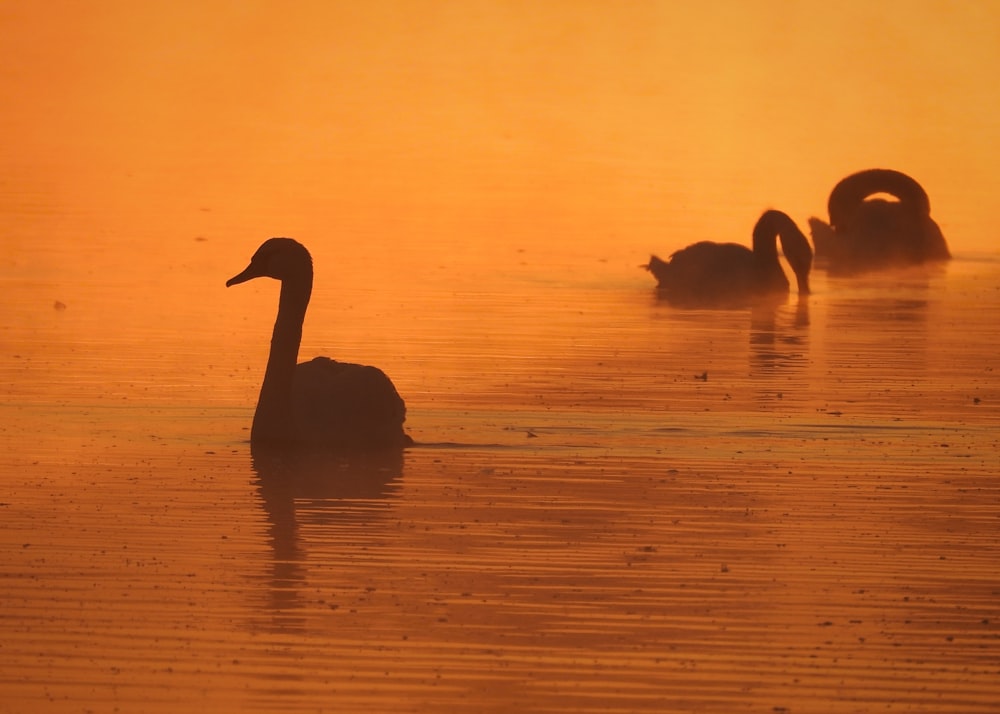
[630,504]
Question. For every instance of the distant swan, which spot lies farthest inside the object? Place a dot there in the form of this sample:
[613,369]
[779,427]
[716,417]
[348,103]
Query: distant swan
[342,406]
[871,233]
[707,273]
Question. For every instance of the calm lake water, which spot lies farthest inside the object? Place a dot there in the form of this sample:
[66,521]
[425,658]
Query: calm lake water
[614,505]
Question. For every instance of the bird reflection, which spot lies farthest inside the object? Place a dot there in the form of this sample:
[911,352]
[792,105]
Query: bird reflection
[778,343]
[880,335]
[316,488]
[874,315]
[871,233]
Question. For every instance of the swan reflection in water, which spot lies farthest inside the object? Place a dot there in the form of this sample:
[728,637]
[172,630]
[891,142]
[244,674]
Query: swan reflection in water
[306,487]
[779,342]
[866,232]
[729,274]
[341,406]
[894,315]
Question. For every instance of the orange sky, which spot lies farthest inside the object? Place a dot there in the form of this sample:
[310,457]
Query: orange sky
[652,124]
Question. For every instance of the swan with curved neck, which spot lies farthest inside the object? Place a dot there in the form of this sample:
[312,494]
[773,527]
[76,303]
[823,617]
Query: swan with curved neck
[707,273]
[866,233]
[322,402]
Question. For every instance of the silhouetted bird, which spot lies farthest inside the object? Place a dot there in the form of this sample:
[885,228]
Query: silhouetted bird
[708,273]
[347,407]
[870,233]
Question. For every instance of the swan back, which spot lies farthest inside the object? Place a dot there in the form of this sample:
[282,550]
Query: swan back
[706,273]
[867,233]
[347,406]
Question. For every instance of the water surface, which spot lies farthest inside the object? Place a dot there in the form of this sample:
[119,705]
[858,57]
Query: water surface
[615,505]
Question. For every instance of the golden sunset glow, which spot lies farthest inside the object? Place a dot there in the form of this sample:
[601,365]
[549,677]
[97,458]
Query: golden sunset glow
[655,123]
[614,503]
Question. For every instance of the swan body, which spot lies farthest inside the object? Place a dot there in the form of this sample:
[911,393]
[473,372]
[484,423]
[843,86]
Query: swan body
[346,407]
[867,233]
[707,273]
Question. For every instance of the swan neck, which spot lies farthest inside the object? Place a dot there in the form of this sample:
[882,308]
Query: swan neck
[797,252]
[287,334]
[772,225]
[765,240]
[273,418]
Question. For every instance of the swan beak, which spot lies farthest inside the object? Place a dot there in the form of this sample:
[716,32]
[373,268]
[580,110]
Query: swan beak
[249,274]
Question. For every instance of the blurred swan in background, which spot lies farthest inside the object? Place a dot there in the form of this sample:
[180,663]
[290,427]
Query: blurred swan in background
[347,407]
[870,233]
[708,273]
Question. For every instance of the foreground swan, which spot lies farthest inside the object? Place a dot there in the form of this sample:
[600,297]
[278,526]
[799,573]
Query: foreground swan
[322,402]
[709,273]
[871,233]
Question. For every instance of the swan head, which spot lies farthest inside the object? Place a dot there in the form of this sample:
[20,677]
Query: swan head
[278,258]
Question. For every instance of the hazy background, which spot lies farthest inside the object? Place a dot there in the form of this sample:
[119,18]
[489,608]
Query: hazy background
[466,127]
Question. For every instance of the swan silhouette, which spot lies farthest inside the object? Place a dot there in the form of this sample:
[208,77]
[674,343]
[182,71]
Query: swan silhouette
[870,233]
[707,273]
[345,407]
